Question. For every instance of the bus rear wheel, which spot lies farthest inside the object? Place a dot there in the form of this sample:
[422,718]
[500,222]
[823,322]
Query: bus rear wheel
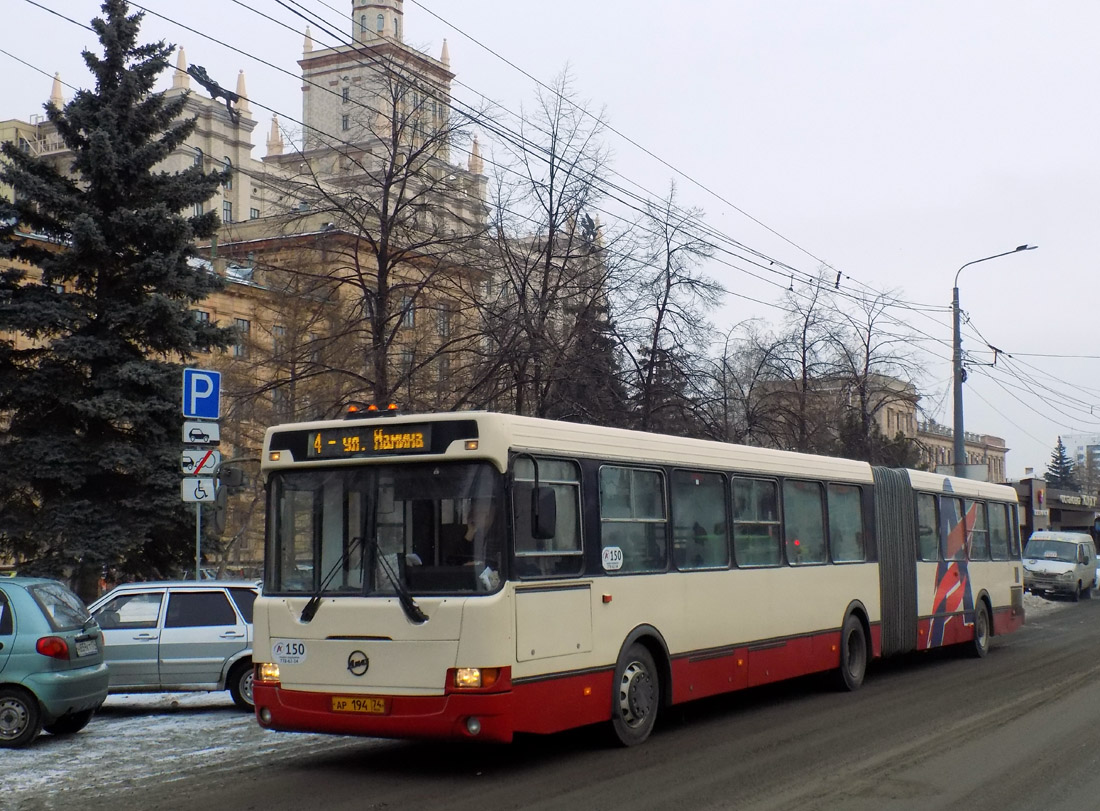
[980,646]
[853,654]
[636,696]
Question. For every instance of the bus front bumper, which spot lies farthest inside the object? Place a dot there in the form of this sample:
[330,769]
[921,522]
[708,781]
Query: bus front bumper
[475,717]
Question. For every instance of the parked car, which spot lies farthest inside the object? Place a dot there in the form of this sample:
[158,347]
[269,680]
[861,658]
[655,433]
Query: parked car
[179,636]
[1060,563]
[52,672]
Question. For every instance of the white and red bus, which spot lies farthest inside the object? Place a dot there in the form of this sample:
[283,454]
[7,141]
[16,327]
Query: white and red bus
[474,575]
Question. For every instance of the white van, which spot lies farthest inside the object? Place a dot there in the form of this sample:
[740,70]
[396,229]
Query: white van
[1060,563]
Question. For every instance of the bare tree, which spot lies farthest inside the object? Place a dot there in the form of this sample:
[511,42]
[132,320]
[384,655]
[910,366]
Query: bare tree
[547,296]
[664,318]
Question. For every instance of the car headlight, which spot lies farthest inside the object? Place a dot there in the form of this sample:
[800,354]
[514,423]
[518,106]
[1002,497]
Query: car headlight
[1065,576]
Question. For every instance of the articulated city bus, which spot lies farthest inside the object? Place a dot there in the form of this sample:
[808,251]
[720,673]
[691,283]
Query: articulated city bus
[476,575]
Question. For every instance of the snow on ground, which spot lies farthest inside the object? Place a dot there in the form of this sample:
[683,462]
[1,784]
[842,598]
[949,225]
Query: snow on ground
[168,736]
[141,737]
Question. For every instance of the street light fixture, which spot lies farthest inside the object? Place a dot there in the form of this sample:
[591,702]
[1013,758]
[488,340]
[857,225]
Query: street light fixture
[957,366]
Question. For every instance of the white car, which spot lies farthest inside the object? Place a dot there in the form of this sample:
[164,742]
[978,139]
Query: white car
[1060,563]
[179,636]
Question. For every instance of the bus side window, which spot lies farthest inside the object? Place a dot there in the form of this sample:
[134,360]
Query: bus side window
[803,522]
[846,523]
[756,522]
[953,528]
[998,532]
[698,502]
[633,518]
[978,530]
[562,554]
[928,532]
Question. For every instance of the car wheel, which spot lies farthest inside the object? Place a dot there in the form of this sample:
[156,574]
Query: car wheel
[20,718]
[240,685]
[853,654]
[979,647]
[636,696]
[70,724]
[1076,596]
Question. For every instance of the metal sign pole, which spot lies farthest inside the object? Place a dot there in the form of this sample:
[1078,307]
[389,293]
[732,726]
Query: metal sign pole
[198,541]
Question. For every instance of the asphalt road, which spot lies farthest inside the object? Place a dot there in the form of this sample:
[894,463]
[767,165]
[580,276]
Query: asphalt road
[1017,730]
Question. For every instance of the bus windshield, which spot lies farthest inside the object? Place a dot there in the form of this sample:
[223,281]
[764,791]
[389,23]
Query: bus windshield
[428,527]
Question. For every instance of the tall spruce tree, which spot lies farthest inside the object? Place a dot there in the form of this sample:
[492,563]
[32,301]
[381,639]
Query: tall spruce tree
[90,417]
[1061,472]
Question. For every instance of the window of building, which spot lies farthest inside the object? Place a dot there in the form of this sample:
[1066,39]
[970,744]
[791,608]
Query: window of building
[228,173]
[396,28]
[198,157]
[58,288]
[197,210]
[756,522]
[345,95]
[803,523]
[699,536]
[345,122]
[280,404]
[381,24]
[227,211]
[562,554]
[243,327]
[445,319]
[278,339]
[846,523]
[363,24]
[408,312]
[253,213]
[632,519]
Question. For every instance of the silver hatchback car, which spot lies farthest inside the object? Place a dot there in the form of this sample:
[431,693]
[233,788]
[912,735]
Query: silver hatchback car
[179,636]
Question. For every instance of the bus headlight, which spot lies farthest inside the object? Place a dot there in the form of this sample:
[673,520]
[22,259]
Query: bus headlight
[475,678]
[267,672]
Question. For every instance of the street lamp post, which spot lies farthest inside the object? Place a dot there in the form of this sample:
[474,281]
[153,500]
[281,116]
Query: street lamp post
[957,365]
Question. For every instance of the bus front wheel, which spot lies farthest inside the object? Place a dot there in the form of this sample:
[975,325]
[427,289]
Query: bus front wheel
[853,654]
[636,696]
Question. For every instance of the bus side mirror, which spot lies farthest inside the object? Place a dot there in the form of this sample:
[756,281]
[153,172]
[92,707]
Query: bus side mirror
[544,513]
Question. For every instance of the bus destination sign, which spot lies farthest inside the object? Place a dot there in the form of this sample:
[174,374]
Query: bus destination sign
[380,440]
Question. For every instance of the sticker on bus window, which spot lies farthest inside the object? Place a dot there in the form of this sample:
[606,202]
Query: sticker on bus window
[612,559]
[289,651]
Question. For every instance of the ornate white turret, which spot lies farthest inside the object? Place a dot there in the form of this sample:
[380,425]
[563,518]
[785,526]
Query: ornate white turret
[475,165]
[275,138]
[445,57]
[307,46]
[180,79]
[373,21]
[56,99]
[242,91]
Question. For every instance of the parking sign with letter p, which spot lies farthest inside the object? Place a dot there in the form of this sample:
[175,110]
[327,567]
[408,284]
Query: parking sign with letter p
[201,394]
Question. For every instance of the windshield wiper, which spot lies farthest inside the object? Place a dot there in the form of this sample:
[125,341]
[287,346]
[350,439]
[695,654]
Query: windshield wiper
[310,610]
[408,604]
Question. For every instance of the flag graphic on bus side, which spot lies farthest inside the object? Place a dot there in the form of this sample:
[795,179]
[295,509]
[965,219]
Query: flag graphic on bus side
[952,576]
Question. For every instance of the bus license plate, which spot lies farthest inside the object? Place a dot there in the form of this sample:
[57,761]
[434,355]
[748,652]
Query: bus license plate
[367,704]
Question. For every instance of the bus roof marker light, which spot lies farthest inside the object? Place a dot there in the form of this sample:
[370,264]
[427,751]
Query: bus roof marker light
[274,456]
[471,444]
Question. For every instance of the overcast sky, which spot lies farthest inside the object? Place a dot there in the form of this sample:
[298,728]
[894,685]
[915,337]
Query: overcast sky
[893,142]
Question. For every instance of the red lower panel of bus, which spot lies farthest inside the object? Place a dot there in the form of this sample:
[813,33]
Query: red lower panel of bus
[443,716]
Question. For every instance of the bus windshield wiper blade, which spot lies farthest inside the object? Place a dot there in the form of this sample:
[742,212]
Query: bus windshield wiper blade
[310,610]
[408,604]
